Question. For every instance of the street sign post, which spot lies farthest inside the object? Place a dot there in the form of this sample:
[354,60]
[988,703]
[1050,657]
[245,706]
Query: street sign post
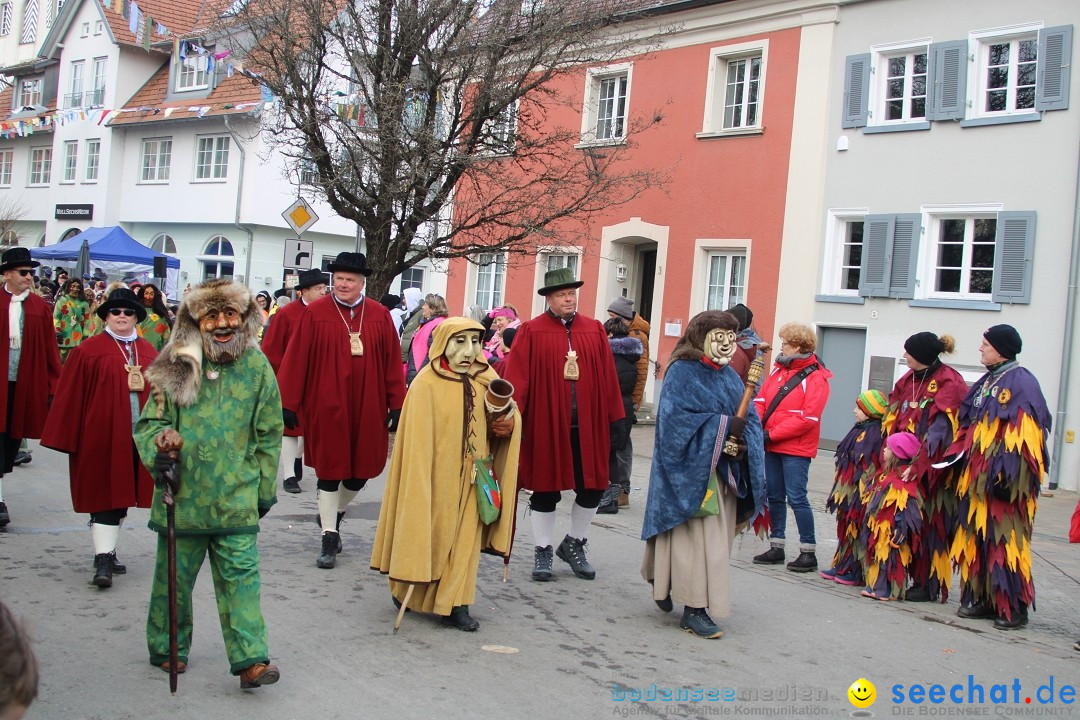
[298,254]
[300,216]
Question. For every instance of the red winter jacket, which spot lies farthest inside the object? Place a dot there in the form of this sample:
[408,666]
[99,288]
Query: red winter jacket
[795,425]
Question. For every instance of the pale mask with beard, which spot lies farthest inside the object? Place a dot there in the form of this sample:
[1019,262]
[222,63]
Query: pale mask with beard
[222,334]
[720,346]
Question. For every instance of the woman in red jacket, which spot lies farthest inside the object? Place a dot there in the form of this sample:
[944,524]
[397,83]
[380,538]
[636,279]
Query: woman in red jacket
[790,404]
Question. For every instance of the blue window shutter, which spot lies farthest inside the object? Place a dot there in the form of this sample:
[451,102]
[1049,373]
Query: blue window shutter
[856,90]
[876,255]
[1014,255]
[907,230]
[1055,56]
[948,80]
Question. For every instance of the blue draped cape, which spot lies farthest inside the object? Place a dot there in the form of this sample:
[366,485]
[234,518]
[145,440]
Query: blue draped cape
[691,424]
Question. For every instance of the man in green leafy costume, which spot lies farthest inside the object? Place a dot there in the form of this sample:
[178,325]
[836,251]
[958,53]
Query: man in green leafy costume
[213,387]
[71,313]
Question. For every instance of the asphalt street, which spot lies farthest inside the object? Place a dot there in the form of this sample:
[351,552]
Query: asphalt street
[570,648]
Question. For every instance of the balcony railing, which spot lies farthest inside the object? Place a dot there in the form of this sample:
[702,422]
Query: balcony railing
[95,98]
[73,100]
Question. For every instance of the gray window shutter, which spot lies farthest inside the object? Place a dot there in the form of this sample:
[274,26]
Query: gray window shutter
[876,255]
[1013,257]
[907,230]
[856,90]
[948,80]
[1055,56]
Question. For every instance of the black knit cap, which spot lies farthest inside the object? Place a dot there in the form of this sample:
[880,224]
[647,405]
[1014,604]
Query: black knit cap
[1005,340]
[924,347]
[743,315]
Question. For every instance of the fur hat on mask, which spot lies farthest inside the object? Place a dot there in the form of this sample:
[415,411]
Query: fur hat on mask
[177,371]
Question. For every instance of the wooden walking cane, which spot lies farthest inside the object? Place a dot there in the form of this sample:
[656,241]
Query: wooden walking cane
[404,607]
[169,441]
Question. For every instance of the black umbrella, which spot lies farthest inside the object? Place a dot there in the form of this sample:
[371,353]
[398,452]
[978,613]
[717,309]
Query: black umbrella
[82,265]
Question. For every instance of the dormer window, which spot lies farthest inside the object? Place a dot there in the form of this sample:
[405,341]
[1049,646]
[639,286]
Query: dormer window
[191,72]
[29,93]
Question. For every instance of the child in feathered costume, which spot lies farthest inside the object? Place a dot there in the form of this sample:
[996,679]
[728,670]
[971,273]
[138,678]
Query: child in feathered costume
[857,458]
[893,520]
[1004,422]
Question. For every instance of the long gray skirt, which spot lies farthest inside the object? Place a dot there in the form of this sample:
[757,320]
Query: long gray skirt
[692,561]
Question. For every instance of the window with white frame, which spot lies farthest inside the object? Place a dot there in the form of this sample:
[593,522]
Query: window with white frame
[842,268]
[556,261]
[217,259]
[309,174]
[29,22]
[736,88]
[725,283]
[74,98]
[961,256]
[502,130]
[412,278]
[191,73]
[607,99]
[7,161]
[97,83]
[71,159]
[490,280]
[212,157]
[84,30]
[29,92]
[10,238]
[99,27]
[40,165]
[900,84]
[1006,74]
[156,160]
[163,243]
[93,159]
[7,12]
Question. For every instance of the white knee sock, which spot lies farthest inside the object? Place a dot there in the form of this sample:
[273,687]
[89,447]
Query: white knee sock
[580,521]
[300,447]
[1,490]
[289,452]
[328,510]
[104,537]
[345,497]
[543,526]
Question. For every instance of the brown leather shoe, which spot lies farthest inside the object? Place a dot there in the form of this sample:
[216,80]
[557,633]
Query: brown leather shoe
[181,667]
[624,498]
[258,675]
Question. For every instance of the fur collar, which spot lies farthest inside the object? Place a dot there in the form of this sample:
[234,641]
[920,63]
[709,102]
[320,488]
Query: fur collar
[626,346]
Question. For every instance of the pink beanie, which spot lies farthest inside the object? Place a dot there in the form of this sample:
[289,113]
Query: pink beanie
[904,445]
[502,312]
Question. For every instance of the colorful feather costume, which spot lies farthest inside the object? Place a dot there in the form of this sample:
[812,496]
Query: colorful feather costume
[857,457]
[935,393]
[1004,422]
[893,522]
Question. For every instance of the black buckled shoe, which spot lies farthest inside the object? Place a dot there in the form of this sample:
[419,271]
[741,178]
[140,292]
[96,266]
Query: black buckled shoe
[917,593]
[21,458]
[772,556]
[698,622]
[117,567]
[542,563]
[666,605]
[1019,619]
[4,517]
[291,485]
[976,611]
[460,618]
[103,570]
[806,562]
[572,551]
[331,544]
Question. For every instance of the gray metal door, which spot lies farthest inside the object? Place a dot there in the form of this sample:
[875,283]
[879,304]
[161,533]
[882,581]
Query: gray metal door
[843,351]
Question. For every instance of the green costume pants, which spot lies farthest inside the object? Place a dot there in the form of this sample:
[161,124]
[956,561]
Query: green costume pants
[234,562]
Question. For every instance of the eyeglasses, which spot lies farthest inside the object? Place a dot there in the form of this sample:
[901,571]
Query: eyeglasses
[122,311]
[24,272]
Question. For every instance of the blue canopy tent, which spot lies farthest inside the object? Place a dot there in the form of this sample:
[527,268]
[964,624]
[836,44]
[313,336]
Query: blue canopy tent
[115,252]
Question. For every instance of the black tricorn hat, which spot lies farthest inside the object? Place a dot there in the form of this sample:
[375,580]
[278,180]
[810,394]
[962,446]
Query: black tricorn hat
[310,278]
[122,297]
[352,262]
[17,257]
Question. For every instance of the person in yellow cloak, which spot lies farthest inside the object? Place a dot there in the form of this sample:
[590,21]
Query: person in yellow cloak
[430,534]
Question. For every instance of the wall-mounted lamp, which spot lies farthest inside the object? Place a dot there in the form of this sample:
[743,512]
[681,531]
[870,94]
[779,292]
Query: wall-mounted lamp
[620,272]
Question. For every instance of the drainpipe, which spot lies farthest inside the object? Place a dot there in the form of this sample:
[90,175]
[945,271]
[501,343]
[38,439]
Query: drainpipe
[1067,346]
[239,193]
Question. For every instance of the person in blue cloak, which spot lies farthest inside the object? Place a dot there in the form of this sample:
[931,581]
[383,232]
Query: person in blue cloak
[699,494]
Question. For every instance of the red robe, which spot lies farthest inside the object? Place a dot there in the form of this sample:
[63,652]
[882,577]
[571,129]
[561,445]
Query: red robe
[544,397]
[91,421]
[276,339]
[39,367]
[344,399]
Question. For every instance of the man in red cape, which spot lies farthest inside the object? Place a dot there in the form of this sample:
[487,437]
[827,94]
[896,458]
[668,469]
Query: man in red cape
[565,384]
[311,286]
[31,364]
[342,373]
